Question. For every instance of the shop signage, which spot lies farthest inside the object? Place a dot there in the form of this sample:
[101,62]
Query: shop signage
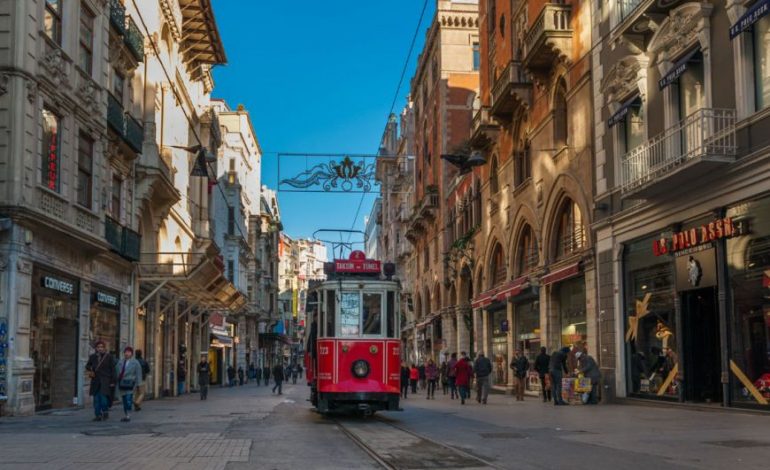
[107,299]
[677,70]
[695,236]
[58,285]
[752,15]
[357,264]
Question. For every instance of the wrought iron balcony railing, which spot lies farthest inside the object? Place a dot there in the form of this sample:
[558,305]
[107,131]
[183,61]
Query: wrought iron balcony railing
[706,135]
[118,16]
[134,39]
[128,128]
[113,232]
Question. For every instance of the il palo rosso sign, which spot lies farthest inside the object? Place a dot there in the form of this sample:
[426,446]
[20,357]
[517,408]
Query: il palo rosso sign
[696,236]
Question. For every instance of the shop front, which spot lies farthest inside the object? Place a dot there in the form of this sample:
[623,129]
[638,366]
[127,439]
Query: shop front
[500,327]
[682,342]
[526,312]
[104,318]
[54,338]
[571,298]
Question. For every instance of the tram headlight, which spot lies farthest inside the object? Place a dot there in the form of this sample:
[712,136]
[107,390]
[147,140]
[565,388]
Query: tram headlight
[361,369]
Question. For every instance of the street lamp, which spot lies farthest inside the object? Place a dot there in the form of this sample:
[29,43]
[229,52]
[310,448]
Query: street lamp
[466,162]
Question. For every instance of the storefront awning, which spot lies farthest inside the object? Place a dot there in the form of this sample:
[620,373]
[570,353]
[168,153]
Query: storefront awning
[621,113]
[561,274]
[677,70]
[752,15]
[504,292]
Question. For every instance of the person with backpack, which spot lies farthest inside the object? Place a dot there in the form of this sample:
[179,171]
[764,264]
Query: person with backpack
[140,388]
[520,367]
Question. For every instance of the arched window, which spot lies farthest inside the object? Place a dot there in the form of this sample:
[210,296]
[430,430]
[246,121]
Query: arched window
[570,234]
[497,271]
[523,163]
[477,204]
[526,254]
[560,127]
[494,187]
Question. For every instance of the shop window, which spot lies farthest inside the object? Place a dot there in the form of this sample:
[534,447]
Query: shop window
[528,329]
[52,20]
[85,170]
[650,326]
[499,327]
[748,262]
[761,37]
[494,187]
[51,150]
[560,127]
[572,312]
[497,268]
[526,256]
[86,39]
[570,234]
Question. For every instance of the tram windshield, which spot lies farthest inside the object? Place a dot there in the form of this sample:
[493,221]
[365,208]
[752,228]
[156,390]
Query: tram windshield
[360,313]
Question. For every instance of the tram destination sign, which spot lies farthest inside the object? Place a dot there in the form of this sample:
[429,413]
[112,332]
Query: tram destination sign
[357,263]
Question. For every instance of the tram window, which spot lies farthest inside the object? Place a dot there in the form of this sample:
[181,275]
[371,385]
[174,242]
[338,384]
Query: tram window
[350,314]
[372,314]
[391,311]
[331,312]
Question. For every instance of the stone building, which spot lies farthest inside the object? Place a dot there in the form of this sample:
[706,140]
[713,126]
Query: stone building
[682,168]
[443,90]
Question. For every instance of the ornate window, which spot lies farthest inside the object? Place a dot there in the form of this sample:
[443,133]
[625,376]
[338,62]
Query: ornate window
[494,186]
[522,164]
[497,271]
[570,232]
[477,204]
[560,126]
[52,20]
[526,255]
[86,39]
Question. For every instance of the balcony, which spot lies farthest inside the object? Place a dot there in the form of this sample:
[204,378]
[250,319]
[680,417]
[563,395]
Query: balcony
[118,16]
[132,243]
[484,129]
[113,233]
[549,37]
[511,90]
[122,240]
[134,39]
[127,128]
[428,205]
[694,147]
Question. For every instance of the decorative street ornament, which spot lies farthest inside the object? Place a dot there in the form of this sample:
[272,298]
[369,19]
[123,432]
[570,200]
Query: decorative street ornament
[350,174]
[633,321]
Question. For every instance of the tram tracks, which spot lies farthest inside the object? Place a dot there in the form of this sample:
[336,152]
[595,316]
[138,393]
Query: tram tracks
[396,448]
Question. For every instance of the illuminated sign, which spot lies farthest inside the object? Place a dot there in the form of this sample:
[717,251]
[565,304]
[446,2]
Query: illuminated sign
[107,299]
[58,285]
[358,264]
[696,236]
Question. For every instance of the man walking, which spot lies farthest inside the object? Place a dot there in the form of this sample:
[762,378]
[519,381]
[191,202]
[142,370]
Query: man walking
[258,375]
[541,366]
[404,379]
[557,368]
[181,376]
[278,378]
[241,376]
[463,376]
[140,389]
[204,376]
[520,366]
[230,376]
[101,369]
[452,375]
[482,368]
[266,375]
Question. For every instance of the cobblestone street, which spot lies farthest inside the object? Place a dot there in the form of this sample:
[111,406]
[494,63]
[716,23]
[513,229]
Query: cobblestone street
[248,427]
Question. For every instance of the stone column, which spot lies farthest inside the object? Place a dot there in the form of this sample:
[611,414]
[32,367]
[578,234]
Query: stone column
[15,318]
[511,345]
[463,333]
[448,332]
[478,333]
[83,397]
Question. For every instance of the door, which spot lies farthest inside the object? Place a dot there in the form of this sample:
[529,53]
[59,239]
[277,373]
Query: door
[64,365]
[702,352]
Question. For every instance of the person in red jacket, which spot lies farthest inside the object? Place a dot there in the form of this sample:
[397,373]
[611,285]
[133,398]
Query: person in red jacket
[414,375]
[463,377]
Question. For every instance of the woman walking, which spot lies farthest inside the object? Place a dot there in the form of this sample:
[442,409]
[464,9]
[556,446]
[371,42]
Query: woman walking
[129,373]
[414,375]
[431,375]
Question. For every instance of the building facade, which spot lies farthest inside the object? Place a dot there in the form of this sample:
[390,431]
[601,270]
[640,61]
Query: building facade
[681,177]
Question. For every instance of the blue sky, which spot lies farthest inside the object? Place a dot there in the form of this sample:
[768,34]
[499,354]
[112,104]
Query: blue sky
[317,77]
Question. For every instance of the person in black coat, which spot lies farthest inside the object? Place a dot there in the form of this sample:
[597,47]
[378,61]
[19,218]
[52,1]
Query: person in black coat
[266,375]
[230,376]
[278,375]
[557,368]
[404,379]
[541,366]
[101,368]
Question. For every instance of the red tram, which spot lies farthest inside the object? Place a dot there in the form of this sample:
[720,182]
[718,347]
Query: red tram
[352,355]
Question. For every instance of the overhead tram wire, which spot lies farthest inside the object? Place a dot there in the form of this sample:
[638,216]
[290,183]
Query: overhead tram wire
[395,96]
[184,111]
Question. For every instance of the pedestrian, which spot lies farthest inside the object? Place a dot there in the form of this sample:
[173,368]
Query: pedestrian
[240,376]
[557,368]
[463,376]
[181,376]
[129,373]
[101,369]
[414,376]
[587,365]
[258,375]
[140,389]
[431,376]
[421,373]
[483,369]
[278,375]
[520,366]
[452,375]
[204,376]
[266,375]
[252,372]
[541,366]
[442,372]
[294,374]
[299,370]
[230,375]
[404,379]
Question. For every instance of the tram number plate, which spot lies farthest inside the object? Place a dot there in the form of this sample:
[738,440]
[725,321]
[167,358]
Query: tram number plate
[323,350]
[325,376]
[396,352]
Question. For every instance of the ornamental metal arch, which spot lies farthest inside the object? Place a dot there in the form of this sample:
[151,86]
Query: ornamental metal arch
[328,173]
